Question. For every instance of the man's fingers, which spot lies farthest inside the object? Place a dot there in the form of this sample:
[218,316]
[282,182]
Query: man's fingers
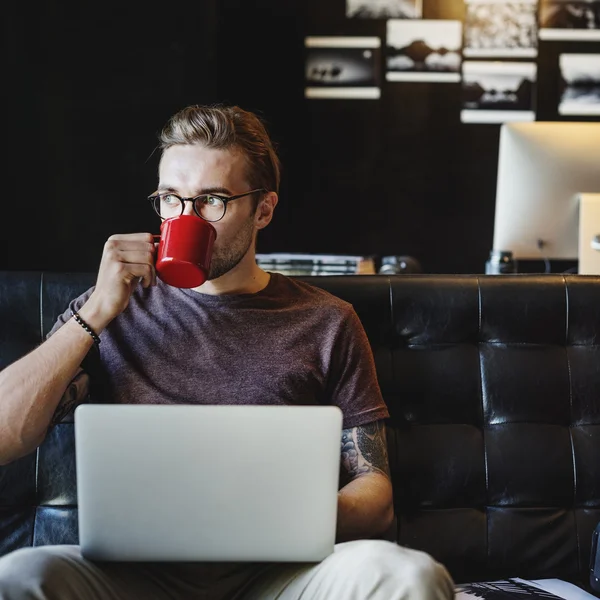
[142,257]
[133,257]
[143,274]
[132,237]
[112,246]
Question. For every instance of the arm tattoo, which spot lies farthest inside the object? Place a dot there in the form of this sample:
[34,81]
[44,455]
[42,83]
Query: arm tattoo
[74,394]
[364,450]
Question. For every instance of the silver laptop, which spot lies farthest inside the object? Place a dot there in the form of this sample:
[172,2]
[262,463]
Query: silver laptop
[207,483]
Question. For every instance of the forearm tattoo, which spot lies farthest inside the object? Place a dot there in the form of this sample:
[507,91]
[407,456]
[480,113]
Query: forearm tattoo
[74,394]
[364,450]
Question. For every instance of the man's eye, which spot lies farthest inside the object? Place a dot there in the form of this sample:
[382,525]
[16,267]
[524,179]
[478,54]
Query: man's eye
[212,201]
[169,199]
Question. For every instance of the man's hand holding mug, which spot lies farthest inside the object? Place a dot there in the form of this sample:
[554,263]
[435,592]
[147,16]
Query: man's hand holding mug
[182,259]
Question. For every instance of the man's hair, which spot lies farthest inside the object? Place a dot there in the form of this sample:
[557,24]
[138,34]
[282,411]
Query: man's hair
[227,127]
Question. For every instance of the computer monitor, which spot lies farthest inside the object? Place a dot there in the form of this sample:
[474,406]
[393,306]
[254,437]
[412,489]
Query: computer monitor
[547,174]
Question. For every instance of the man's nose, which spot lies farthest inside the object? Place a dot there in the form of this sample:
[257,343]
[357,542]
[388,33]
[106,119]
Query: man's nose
[188,207]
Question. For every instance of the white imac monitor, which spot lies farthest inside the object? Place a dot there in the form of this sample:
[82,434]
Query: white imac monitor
[549,176]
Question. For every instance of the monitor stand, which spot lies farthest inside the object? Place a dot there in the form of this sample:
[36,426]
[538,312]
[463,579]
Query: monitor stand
[589,234]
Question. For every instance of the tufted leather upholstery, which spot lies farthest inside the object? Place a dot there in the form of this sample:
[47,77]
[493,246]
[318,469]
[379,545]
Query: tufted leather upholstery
[493,385]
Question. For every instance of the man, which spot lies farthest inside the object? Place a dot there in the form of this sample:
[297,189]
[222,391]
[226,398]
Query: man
[250,337]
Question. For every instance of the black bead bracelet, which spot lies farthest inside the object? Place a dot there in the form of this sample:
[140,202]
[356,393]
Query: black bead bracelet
[86,327]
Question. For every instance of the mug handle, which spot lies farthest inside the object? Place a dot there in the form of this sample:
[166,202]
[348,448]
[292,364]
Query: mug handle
[156,242]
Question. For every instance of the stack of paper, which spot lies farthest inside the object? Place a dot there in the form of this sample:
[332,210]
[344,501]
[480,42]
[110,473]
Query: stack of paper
[315,264]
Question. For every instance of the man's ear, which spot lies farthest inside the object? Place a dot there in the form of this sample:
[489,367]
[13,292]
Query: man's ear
[264,210]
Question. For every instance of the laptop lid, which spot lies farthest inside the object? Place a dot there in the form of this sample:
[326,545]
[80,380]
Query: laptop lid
[207,483]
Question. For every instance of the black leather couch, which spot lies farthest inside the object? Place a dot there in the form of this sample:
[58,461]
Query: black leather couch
[493,385]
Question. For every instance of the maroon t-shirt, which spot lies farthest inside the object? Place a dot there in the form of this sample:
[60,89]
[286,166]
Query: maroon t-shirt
[290,343]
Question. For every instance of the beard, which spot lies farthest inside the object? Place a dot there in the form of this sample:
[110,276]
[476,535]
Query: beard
[226,258]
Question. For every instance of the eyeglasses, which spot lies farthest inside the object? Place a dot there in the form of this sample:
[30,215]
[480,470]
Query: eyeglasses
[210,207]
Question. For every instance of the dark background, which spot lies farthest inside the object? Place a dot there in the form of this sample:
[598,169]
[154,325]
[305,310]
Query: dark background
[88,87]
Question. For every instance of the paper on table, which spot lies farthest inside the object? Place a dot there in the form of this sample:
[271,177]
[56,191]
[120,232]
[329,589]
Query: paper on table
[522,589]
[561,588]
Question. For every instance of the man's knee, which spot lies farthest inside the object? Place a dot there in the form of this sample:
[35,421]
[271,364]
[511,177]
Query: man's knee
[417,572]
[426,578]
[32,573]
[385,554]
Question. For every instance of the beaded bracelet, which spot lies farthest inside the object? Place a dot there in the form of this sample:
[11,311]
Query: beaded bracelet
[86,327]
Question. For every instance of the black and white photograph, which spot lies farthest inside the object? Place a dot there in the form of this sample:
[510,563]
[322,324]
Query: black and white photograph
[569,20]
[498,92]
[423,50]
[501,29]
[343,67]
[384,9]
[580,84]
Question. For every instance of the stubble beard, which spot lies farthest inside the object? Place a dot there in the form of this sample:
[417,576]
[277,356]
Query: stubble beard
[225,259]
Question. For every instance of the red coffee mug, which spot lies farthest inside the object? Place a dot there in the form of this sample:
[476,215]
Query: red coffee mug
[185,250]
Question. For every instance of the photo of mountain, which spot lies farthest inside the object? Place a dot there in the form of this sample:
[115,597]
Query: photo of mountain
[498,92]
[580,84]
[424,50]
[569,20]
[342,67]
[384,9]
[496,28]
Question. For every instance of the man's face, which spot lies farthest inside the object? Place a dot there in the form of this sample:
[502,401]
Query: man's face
[192,170]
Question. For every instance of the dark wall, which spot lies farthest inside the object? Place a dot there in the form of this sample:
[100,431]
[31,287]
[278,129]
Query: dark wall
[90,88]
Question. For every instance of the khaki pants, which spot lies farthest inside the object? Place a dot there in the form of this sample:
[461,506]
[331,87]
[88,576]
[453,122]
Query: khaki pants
[359,570]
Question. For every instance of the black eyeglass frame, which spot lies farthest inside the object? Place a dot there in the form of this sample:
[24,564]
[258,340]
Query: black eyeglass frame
[224,199]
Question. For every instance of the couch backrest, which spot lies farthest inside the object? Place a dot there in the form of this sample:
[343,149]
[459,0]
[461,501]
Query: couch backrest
[38,494]
[493,385]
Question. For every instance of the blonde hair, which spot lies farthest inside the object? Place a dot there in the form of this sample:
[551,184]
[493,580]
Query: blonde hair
[227,127]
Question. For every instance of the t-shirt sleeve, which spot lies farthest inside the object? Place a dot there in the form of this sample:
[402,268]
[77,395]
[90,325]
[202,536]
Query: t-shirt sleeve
[353,383]
[91,363]
[74,305]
